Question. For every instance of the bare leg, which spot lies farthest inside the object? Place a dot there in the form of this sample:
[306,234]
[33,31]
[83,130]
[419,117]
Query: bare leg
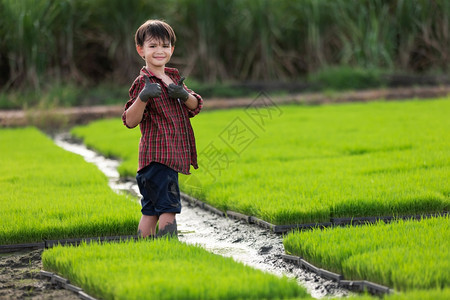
[147,226]
[167,225]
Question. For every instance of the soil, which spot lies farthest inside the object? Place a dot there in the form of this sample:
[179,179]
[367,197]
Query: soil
[19,278]
[58,118]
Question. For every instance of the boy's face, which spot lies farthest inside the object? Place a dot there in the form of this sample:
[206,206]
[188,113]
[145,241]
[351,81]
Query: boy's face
[156,52]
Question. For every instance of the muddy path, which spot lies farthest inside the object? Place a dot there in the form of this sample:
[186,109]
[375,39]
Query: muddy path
[249,244]
[246,243]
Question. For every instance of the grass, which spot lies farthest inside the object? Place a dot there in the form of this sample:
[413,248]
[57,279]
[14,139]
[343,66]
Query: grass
[435,294]
[164,269]
[111,138]
[293,164]
[404,255]
[48,193]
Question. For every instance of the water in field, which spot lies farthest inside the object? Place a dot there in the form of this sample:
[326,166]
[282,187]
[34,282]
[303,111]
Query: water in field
[244,242]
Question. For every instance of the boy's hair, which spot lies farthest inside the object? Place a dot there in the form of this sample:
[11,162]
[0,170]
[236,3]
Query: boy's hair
[156,29]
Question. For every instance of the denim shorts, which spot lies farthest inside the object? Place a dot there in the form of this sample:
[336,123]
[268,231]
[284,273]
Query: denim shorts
[159,188]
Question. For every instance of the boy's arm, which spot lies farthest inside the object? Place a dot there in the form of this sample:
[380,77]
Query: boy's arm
[133,115]
[191,102]
[193,112]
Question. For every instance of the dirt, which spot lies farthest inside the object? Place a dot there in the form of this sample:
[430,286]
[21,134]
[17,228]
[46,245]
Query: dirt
[65,117]
[19,278]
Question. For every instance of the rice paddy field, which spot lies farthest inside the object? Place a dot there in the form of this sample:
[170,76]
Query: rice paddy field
[287,164]
[297,164]
[164,269]
[435,294]
[294,164]
[49,193]
[404,255]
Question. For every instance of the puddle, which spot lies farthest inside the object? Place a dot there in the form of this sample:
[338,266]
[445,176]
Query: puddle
[246,243]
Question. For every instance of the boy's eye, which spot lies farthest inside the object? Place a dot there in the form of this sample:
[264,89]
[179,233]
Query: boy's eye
[154,45]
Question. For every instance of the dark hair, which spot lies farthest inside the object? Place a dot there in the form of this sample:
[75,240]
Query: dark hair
[156,29]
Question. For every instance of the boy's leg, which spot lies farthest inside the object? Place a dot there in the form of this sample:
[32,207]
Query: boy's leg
[147,226]
[148,182]
[167,225]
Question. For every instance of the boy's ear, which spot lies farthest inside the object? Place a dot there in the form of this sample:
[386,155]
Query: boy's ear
[140,51]
[173,49]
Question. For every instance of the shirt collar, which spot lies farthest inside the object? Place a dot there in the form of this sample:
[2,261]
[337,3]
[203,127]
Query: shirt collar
[167,70]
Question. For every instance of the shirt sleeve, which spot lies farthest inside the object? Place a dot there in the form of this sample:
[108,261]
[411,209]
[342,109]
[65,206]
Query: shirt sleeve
[193,113]
[134,91]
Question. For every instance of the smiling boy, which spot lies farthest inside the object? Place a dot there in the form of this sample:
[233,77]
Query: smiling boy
[161,105]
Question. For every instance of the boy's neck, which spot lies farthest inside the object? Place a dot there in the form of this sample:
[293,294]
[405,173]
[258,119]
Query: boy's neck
[157,71]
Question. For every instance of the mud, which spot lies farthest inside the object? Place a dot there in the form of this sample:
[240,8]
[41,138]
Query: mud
[19,278]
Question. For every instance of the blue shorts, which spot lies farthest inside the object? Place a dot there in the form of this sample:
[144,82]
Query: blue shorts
[158,185]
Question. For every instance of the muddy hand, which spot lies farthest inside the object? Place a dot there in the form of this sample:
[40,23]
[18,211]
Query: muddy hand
[177,91]
[150,90]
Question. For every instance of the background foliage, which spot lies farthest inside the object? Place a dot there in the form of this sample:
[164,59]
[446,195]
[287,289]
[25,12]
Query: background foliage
[85,41]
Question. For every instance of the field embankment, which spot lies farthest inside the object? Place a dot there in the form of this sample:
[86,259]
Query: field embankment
[51,118]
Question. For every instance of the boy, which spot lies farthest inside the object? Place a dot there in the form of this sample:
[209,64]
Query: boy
[162,105]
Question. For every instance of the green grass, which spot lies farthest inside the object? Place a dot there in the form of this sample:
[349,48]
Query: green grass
[163,269]
[307,164]
[48,193]
[404,255]
[111,138]
[434,294]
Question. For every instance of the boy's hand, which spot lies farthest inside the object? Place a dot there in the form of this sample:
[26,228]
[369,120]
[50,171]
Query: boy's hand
[178,91]
[150,90]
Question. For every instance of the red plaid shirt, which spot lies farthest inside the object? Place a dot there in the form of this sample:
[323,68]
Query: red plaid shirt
[167,134]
